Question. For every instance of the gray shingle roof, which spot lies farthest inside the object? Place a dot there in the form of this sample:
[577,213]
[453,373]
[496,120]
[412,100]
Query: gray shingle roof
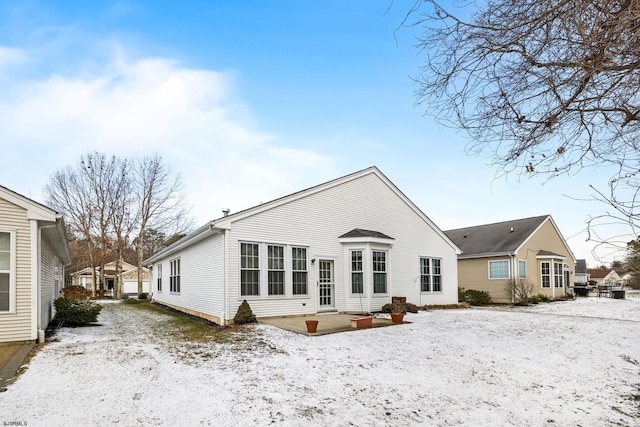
[501,237]
[359,232]
[581,266]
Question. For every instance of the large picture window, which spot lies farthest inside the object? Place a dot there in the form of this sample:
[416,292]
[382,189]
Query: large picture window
[499,269]
[430,275]
[379,272]
[249,269]
[174,276]
[6,271]
[275,270]
[299,269]
[357,274]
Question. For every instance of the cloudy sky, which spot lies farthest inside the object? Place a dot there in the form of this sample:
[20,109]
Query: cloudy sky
[249,101]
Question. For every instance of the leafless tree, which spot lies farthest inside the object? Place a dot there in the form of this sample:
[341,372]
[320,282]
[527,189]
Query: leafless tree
[545,87]
[521,290]
[160,203]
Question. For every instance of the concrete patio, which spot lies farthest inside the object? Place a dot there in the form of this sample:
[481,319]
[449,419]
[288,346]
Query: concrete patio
[329,323]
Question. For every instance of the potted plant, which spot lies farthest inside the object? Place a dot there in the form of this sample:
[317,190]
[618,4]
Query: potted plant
[312,326]
[398,310]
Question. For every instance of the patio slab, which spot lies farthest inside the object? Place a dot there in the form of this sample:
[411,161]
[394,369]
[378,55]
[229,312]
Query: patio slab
[327,323]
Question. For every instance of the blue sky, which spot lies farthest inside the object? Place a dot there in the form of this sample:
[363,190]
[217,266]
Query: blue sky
[250,101]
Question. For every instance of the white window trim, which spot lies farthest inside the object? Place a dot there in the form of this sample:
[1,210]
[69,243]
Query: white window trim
[263,271]
[550,275]
[159,278]
[350,281]
[499,278]
[431,291]
[12,271]
[386,272]
[179,275]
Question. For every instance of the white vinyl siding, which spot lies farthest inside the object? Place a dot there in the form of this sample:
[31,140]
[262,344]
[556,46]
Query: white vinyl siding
[499,269]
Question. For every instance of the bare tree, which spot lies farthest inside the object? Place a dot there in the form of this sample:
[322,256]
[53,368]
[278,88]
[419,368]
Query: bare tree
[521,290]
[160,203]
[546,87]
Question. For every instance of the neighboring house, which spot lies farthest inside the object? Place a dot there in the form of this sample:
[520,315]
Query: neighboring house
[582,274]
[347,245]
[604,277]
[626,278]
[530,248]
[33,254]
[128,274]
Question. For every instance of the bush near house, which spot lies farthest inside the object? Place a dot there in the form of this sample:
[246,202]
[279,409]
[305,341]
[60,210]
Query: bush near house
[399,307]
[74,312]
[244,314]
[76,292]
[143,296]
[473,297]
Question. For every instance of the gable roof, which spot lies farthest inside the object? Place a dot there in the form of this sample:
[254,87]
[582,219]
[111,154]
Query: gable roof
[358,232]
[581,266]
[495,239]
[56,235]
[224,223]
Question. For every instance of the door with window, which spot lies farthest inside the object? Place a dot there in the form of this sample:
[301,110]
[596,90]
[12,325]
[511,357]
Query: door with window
[326,284]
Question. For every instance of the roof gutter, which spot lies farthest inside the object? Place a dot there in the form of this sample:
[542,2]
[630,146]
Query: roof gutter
[203,232]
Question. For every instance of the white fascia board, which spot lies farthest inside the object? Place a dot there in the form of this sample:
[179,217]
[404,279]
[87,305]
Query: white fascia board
[487,255]
[369,239]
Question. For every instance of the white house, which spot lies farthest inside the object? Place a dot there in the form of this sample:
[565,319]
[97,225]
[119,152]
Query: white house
[347,245]
[33,253]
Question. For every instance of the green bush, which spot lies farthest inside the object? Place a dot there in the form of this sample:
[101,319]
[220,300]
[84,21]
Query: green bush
[244,314]
[543,298]
[143,296]
[73,312]
[473,297]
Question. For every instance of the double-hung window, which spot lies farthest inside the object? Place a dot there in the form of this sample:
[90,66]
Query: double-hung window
[249,269]
[522,269]
[6,271]
[357,274]
[430,275]
[174,276]
[545,274]
[159,277]
[379,272]
[299,270]
[499,269]
[275,270]
[557,274]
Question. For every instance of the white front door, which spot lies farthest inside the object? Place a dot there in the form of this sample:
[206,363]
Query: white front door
[326,284]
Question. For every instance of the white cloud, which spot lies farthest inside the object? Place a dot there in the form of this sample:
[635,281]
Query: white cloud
[11,56]
[139,107]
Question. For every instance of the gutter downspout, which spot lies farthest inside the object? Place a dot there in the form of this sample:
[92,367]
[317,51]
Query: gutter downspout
[515,271]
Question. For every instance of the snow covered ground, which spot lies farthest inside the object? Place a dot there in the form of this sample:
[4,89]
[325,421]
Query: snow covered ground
[564,363]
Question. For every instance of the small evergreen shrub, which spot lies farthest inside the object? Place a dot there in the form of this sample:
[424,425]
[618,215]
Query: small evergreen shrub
[399,307]
[411,308]
[473,297]
[543,298]
[244,314]
[73,312]
[143,296]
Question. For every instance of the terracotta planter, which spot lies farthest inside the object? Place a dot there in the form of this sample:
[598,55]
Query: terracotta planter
[312,326]
[397,317]
[361,322]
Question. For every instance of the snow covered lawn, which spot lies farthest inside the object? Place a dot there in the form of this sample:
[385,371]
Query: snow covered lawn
[565,364]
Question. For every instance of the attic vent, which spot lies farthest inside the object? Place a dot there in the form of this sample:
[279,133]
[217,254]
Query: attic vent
[511,229]
[225,212]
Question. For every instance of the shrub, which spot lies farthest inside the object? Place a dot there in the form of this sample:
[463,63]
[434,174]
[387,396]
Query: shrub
[543,298]
[521,290]
[399,307]
[473,297]
[124,296]
[244,314]
[411,308]
[73,312]
[143,296]
[76,292]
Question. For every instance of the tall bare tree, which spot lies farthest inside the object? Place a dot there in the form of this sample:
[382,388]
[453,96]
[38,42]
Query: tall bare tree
[546,87]
[160,203]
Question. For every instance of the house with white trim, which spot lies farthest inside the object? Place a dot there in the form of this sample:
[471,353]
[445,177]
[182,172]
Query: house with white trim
[347,245]
[33,254]
[128,276]
[532,249]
